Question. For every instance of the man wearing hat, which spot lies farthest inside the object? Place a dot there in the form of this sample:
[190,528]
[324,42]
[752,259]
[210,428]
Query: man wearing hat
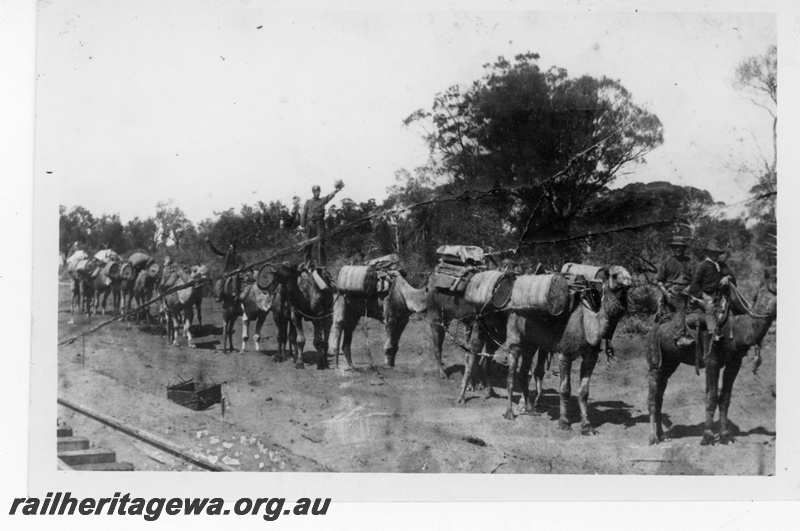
[674,274]
[708,278]
[313,220]
[232,263]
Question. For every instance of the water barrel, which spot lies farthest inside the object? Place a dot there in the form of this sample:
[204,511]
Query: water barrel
[264,278]
[112,270]
[125,271]
[540,294]
[357,280]
[489,289]
[153,270]
[589,272]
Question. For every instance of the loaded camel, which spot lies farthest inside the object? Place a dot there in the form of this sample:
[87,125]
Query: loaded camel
[252,304]
[485,329]
[103,285]
[664,356]
[577,332]
[179,305]
[306,300]
[393,310]
[82,291]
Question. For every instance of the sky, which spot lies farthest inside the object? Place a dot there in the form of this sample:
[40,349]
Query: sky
[215,104]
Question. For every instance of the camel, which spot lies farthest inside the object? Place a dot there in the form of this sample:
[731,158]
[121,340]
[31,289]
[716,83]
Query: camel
[308,301]
[393,310]
[83,286]
[486,330]
[664,356]
[252,304]
[103,286]
[282,315]
[578,332]
[180,304]
[82,294]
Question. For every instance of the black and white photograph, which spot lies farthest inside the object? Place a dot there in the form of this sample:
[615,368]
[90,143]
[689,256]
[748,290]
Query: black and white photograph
[358,245]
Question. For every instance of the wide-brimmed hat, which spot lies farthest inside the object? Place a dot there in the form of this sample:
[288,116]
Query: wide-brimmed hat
[677,241]
[713,246]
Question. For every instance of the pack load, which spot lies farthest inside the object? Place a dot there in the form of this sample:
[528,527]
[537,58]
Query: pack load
[139,260]
[264,278]
[541,294]
[357,280]
[83,267]
[125,271]
[489,289]
[76,257]
[456,266]
[111,270]
[371,279]
[107,255]
[589,272]
[153,270]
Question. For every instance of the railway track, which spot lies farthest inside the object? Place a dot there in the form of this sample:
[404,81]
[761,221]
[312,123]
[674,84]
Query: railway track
[74,452]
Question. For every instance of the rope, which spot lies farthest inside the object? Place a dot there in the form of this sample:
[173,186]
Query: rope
[745,304]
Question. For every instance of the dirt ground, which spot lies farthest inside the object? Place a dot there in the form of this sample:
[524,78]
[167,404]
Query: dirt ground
[403,419]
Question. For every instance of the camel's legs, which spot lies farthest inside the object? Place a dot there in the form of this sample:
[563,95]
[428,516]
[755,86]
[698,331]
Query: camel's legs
[439,324]
[297,354]
[712,396]
[728,377]
[394,327]
[524,379]
[587,367]
[187,324]
[245,332]
[257,333]
[514,350]
[542,358]
[322,329]
[565,390]
[481,340]
[657,379]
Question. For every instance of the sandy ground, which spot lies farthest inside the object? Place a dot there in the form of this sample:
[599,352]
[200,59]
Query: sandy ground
[403,419]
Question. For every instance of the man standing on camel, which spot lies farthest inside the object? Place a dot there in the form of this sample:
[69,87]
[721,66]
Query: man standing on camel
[313,220]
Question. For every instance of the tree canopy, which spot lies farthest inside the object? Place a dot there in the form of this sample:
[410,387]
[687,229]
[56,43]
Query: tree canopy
[519,125]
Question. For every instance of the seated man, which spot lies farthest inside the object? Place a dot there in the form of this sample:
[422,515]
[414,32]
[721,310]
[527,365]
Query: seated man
[709,277]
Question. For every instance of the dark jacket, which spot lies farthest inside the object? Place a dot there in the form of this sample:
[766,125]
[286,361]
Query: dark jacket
[675,271]
[707,276]
[232,260]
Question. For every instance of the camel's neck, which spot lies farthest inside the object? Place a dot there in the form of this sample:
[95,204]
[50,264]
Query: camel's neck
[611,311]
[416,299]
[764,313]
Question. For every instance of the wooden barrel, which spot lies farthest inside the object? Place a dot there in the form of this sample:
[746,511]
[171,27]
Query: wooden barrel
[125,271]
[264,278]
[489,289]
[540,294]
[358,280]
[589,272]
[153,270]
[111,270]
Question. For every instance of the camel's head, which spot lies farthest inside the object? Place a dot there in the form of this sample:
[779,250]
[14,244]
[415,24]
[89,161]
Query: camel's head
[286,274]
[618,278]
[771,279]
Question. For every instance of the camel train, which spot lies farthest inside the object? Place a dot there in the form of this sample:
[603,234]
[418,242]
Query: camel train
[526,311]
